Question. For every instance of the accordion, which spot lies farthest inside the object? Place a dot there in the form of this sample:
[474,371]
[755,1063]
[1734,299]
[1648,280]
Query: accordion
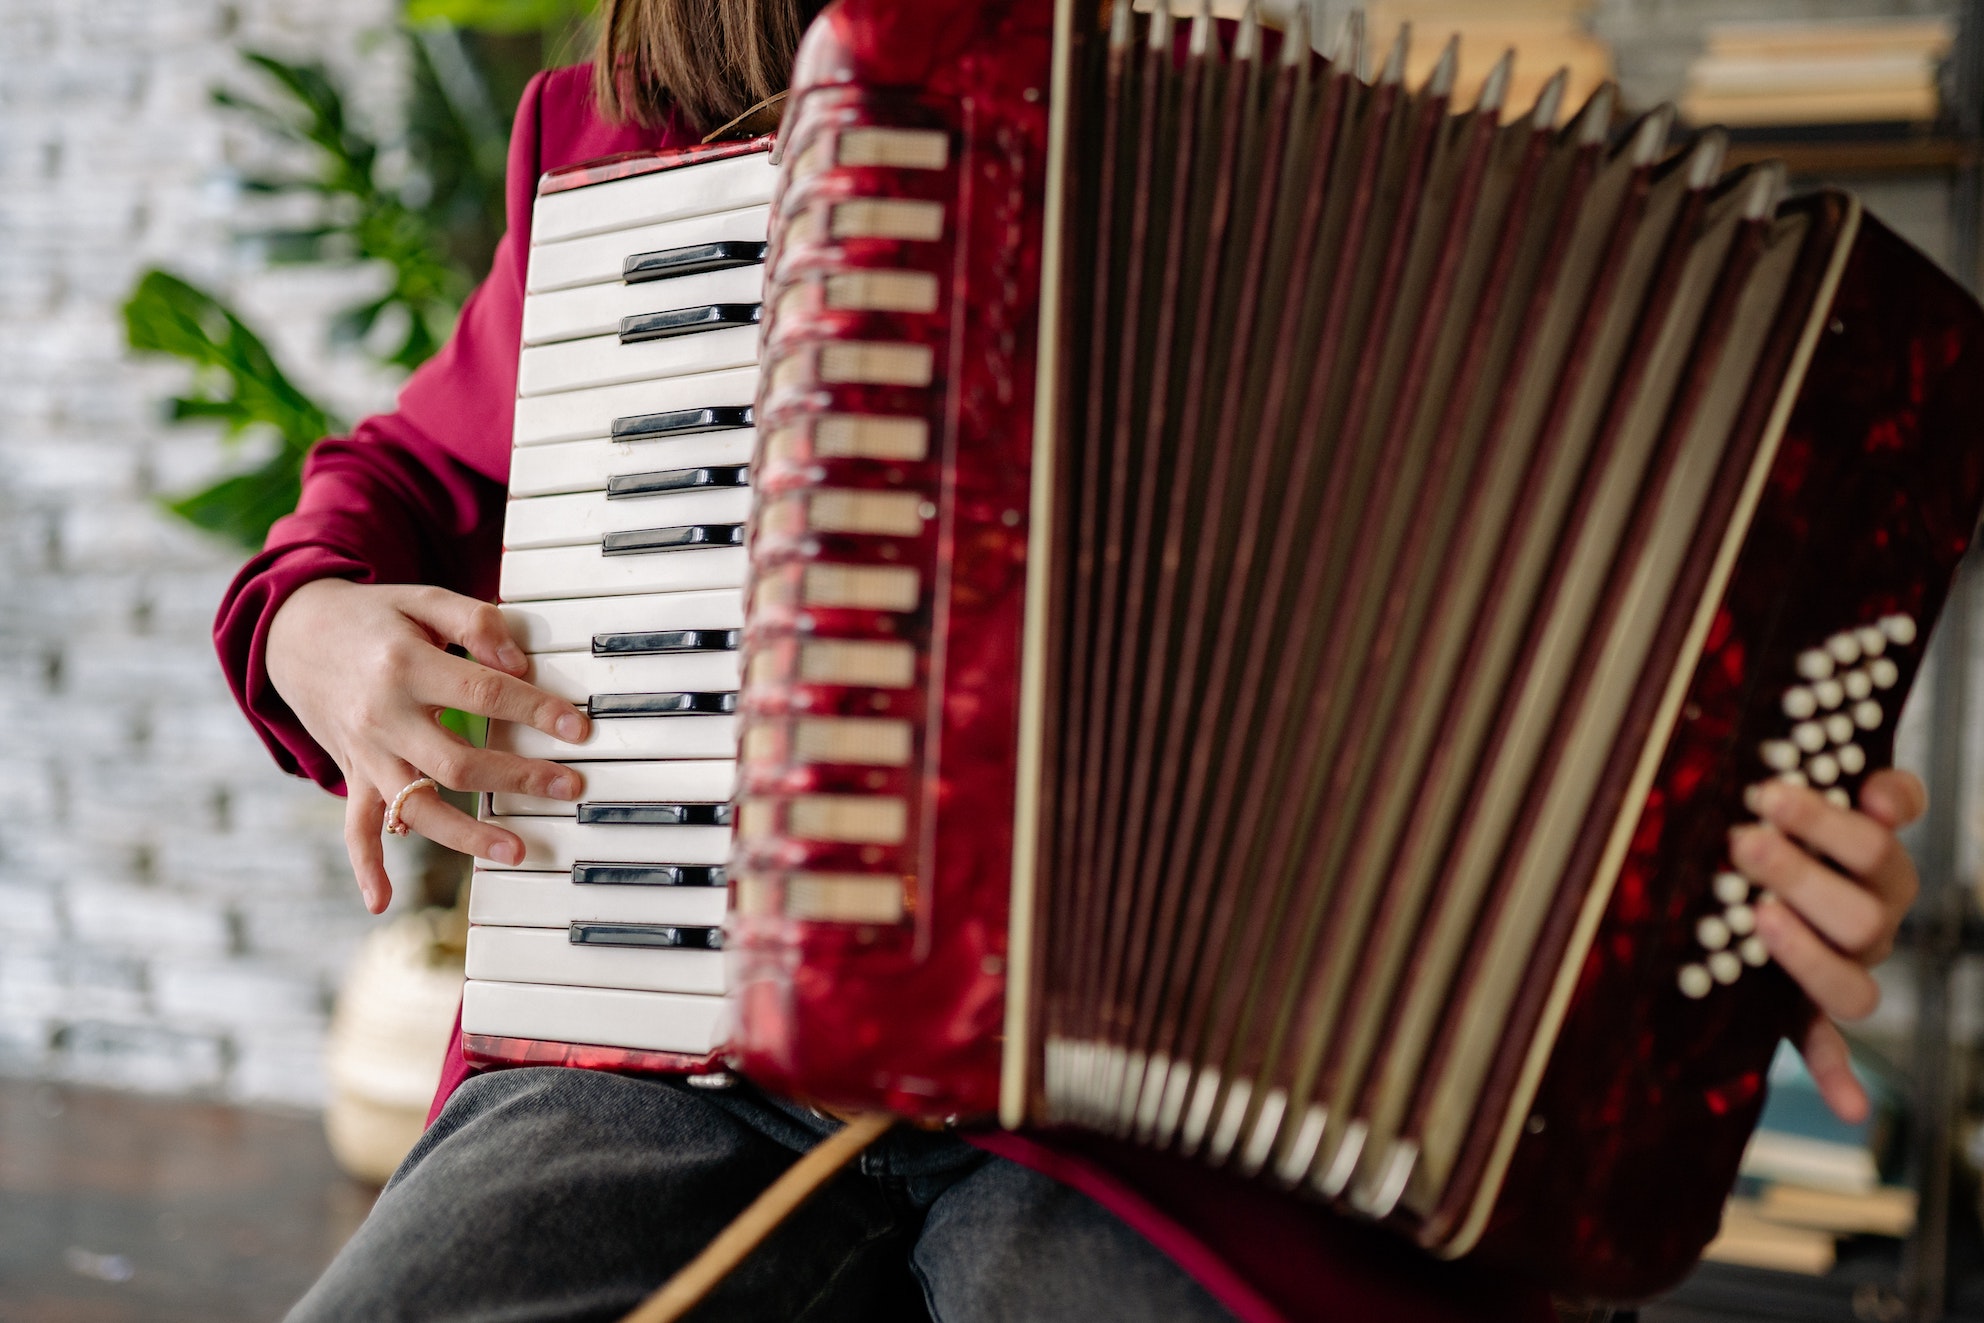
[1266,588]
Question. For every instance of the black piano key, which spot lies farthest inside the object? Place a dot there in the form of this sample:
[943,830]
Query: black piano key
[666,640]
[693,260]
[659,936]
[677,480]
[681,422]
[649,875]
[689,537]
[686,321]
[656,815]
[661,705]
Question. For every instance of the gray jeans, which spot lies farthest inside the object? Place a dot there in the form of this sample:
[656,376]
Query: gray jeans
[547,1194]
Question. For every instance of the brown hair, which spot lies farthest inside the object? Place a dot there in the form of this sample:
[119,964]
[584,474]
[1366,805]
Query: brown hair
[709,60]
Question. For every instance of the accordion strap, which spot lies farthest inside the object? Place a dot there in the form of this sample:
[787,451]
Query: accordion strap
[781,1199]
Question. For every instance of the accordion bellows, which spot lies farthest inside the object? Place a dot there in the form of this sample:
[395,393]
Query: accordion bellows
[1344,555]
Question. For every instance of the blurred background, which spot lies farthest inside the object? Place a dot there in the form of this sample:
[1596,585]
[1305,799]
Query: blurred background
[228,228]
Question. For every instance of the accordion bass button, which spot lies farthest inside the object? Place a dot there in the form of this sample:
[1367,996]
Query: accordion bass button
[1867,715]
[1845,648]
[1754,952]
[1695,981]
[1900,629]
[1884,673]
[1857,685]
[1809,736]
[1725,967]
[1852,759]
[1712,933]
[1823,769]
[1830,693]
[1731,888]
[1740,920]
[1839,727]
[1872,642]
[1779,755]
[1815,664]
[1839,798]
[1799,703]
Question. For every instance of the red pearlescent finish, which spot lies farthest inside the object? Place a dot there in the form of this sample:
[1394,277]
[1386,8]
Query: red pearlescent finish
[628,164]
[496,1050]
[904,1016]
[1649,1097]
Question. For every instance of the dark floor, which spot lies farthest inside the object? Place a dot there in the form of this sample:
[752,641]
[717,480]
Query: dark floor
[123,1209]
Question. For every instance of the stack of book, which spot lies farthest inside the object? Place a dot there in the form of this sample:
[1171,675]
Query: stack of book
[1818,72]
[1547,35]
[1809,1179]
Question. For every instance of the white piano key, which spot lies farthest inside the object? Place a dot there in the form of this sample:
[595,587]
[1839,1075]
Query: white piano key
[587,466]
[553,900]
[592,310]
[601,360]
[571,624]
[690,190]
[625,737]
[607,1017]
[581,415]
[548,955]
[553,845]
[692,781]
[577,676]
[601,257]
[586,572]
[585,517]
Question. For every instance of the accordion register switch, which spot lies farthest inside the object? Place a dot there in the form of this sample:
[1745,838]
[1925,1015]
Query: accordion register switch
[621,577]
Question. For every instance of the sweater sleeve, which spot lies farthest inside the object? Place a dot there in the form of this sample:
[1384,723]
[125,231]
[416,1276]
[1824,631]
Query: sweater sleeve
[413,496]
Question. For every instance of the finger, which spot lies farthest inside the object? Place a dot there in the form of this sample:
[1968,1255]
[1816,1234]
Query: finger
[444,824]
[1851,916]
[364,817]
[1862,846]
[444,681]
[1894,798]
[461,766]
[1838,986]
[1831,1066]
[477,626]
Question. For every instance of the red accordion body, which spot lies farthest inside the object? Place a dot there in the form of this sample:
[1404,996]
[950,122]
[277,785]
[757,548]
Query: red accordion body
[1051,456]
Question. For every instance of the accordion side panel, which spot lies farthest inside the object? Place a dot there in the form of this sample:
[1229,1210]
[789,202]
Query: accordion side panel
[868,938]
[1874,493]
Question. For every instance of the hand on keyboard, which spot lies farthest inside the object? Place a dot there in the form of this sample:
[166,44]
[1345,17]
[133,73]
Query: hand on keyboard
[365,669]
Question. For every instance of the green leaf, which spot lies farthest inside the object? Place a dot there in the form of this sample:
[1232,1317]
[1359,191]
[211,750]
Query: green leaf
[468,725]
[242,508]
[504,16]
[237,383]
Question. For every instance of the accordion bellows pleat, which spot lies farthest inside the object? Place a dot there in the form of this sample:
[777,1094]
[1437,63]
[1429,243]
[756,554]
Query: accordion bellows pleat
[1397,424]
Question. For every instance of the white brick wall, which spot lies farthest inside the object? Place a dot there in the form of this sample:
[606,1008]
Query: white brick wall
[174,913]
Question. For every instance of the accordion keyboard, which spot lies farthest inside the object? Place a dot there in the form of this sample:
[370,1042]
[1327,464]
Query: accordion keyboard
[623,565]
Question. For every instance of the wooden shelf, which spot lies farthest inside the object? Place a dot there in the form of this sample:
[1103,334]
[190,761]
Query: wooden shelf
[1856,156]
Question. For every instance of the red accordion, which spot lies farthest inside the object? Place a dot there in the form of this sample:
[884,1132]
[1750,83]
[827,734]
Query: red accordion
[1267,589]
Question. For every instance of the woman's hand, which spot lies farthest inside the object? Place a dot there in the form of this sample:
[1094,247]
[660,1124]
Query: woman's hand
[1827,926]
[364,668]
